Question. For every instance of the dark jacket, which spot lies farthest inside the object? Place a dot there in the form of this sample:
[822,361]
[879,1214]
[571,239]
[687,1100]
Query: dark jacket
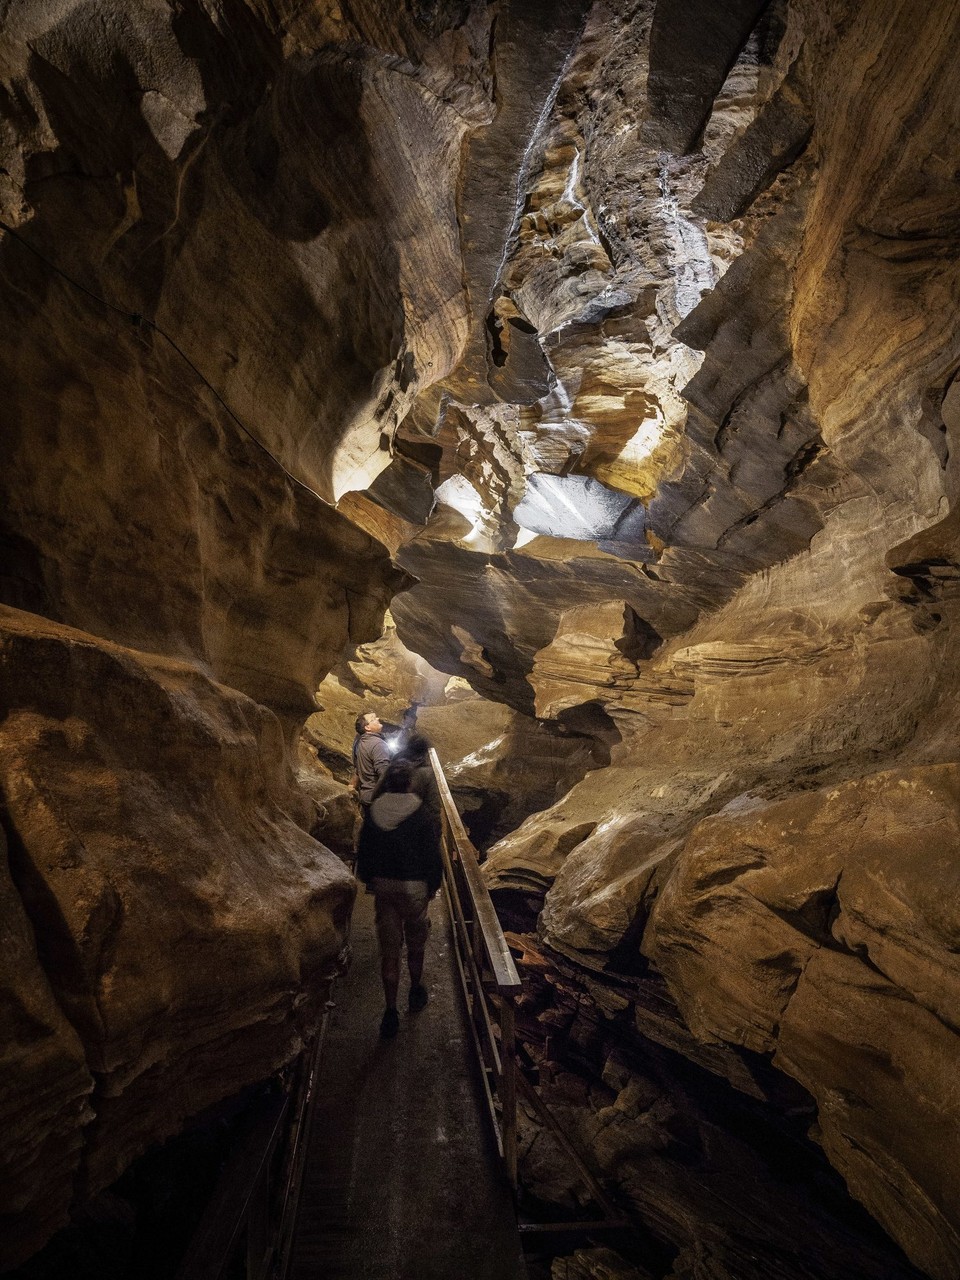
[423,783]
[400,840]
[370,760]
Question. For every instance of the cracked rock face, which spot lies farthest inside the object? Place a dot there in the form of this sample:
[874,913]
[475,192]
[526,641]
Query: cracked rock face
[611,343]
[823,929]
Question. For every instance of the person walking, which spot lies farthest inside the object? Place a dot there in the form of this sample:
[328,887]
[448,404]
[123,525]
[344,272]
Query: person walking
[370,757]
[398,860]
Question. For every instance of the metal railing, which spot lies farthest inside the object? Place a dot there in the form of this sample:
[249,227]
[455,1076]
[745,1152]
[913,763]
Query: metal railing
[491,985]
[488,974]
[248,1225]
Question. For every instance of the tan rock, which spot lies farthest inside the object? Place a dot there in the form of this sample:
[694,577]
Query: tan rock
[336,821]
[594,650]
[630,809]
[362,253]
[186,923]
[590,907]
[824,928]
[884,1072]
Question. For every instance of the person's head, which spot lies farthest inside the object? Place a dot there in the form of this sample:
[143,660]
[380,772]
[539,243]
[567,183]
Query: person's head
[416,748]
[398,777]
[368,722]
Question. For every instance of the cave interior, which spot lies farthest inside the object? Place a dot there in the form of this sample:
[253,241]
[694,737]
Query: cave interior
[577,376]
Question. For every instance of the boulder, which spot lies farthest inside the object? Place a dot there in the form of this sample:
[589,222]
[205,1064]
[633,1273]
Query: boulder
[175,925]
[823,928]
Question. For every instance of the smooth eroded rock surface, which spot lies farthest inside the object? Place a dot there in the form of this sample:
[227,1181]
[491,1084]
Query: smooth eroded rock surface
[613,346]
[177,923]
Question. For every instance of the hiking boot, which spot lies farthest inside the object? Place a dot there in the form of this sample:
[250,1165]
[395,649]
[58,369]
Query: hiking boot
[389,1024]
[418,998]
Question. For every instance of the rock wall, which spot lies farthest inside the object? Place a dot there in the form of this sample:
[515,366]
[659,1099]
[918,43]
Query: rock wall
[172,924]
[775,834]
[705,1143]
[211,286]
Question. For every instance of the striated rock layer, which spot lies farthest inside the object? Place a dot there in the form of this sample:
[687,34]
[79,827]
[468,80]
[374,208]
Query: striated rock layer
[705,1143]
[776,832]
[625,329]
[208,295]
[173,922]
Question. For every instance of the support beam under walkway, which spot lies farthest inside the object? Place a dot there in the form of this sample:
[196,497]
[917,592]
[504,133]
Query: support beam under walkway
[402,1178]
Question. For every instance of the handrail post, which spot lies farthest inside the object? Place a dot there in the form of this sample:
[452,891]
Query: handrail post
[508,1086]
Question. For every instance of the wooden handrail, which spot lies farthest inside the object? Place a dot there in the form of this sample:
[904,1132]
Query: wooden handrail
[504,970]
[491,984]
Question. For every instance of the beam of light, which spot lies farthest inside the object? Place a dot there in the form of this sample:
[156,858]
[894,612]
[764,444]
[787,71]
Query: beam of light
[523,537]
[575,506]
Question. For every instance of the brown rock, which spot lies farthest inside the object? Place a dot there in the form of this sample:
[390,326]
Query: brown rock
[44,1087]
[185,923]
[725,1176]
[824,928]
[596,1264]
[441,263]
[884,1071]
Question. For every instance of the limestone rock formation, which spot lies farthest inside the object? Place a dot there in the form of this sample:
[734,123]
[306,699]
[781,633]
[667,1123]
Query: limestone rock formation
[828,676]
[174,576]
[823,928]
[501,764]
[175,922]
[706,1143]
[611,344]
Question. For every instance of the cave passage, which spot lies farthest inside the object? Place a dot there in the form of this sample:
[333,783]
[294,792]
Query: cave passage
[576,380]
[402,1175]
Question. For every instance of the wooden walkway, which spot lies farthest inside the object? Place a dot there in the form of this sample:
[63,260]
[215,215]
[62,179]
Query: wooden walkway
[402,1177]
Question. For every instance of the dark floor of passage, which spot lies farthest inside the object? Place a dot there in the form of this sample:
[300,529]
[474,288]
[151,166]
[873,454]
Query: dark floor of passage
[402,1179]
